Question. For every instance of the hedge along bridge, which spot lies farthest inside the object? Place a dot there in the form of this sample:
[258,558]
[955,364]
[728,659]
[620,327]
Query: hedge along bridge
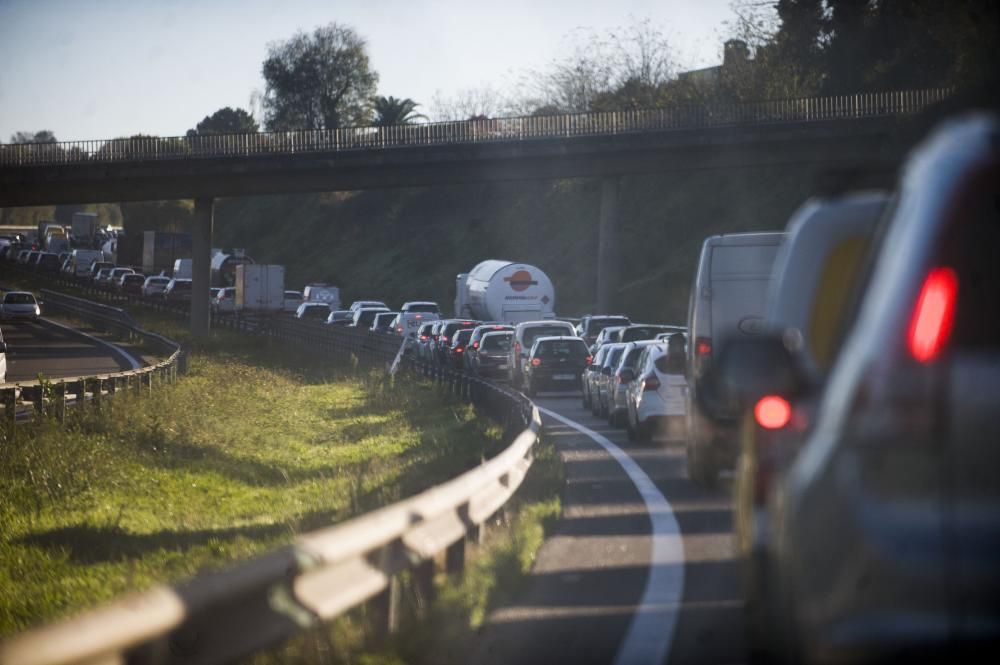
[220,616]
[850,133]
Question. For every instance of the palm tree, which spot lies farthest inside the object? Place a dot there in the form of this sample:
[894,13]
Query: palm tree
[392,111]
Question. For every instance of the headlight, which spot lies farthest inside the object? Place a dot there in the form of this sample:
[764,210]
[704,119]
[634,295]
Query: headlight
[38,310]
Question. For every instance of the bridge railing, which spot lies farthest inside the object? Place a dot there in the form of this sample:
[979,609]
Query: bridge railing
[522,128]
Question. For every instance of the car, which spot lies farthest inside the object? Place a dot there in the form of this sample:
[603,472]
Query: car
[591,325]
[19,305]
[423,338]
[492,355]
[47,262]
[132,283]
[409,321]
[604,379]
[22,256]
[32,260]
[458,347]
[728,300]
[313,311]
[622,376]
[292,300]
[178,290]
[588,380]
[884,522]
[364,316]
[672,330]
[340,317]
[421,306]
[474,340]
[555,362]
[525,334]
[642,331]
[96,267]
[447,329]
[383,323]
[604,337]
[115,280]
[358,304]
[103,277]
[656,400]
[225,300]
[155,285]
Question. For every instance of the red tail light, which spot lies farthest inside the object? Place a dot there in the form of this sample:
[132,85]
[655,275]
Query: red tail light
[650,382]
[399,329]
[475,345]
[536,361]
[703,346]
[423,338]
[933,315]
[435,338]
[772,412]
[590,359]
[458,349]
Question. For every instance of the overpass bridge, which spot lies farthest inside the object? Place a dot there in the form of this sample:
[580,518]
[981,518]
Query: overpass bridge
[857,133]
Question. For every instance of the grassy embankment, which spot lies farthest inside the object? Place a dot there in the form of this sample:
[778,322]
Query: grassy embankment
[253,446]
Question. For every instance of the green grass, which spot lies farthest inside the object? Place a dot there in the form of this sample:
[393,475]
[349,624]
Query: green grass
[250,448]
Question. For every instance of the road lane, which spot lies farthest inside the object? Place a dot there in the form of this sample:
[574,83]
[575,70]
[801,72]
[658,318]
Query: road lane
[56,352]
[590,575]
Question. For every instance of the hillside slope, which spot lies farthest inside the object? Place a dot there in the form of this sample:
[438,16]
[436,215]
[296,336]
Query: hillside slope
[400,244]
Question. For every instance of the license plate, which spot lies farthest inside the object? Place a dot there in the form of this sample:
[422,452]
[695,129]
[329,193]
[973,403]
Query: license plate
[563,377]
[501,366]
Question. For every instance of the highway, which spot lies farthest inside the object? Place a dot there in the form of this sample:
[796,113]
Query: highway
[636,571]
[57,351]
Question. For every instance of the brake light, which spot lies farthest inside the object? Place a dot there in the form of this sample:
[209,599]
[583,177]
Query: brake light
[703,346]
[458,349]
[772,412]
[419,316]
[536,361]
[517,347]
[399,329]
[933,315]
[423,338]
[475,345]
[650,382]
[590,359]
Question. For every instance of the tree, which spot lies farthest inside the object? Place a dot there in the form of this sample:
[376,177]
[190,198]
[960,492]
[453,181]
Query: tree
[468,103]
[43,136]
[392,111]
[321,80]
[226,121]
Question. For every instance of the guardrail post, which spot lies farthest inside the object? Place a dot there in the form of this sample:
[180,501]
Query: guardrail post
[454,556]
[423,584]
[385,609]
[62,401]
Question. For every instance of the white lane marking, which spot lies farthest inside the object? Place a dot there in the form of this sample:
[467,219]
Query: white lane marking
[651,631]
[115,349]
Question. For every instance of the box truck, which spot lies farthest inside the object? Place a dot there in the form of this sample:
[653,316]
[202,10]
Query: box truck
[324,293]
[504,291]
[260,287]
[161,249]
[83,226]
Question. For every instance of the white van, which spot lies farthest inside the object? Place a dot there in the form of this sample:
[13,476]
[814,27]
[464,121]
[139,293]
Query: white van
[82,259]
[728,299]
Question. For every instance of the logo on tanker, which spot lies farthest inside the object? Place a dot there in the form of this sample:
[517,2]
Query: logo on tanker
[520,280]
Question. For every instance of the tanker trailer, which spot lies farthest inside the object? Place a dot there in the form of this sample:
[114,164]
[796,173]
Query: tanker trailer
[504,291]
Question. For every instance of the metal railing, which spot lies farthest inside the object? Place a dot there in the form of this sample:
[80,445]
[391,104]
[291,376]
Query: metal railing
[21,401]
[521,128]
[217,617]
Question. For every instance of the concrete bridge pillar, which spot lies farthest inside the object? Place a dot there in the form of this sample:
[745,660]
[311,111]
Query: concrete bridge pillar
[201,265]
[607,247]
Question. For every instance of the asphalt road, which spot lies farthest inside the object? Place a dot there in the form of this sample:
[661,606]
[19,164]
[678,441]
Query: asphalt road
[43,347]
[636,572]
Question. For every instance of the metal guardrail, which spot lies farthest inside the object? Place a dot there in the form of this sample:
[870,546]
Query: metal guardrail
[521,128]
[22,400]
[220,616]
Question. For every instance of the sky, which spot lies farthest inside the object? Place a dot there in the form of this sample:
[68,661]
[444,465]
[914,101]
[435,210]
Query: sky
[96,69]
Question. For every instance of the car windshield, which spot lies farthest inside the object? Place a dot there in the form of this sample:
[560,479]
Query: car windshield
[19,299]
[182,286]
[462,337]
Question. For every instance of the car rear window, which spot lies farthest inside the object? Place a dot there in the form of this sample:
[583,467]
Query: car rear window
[182,286]
[531,334]
[597,325]
[640,333]
[316,312]
[423,308]
[19,299]
[129,279]
[497,342]
[452,327]
[462,336]
[613,356]
[562,348]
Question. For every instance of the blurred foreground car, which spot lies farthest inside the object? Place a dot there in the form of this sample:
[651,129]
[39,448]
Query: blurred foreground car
[886,526]
[19,305]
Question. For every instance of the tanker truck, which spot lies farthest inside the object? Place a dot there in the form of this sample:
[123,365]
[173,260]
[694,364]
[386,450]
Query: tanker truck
[504,291]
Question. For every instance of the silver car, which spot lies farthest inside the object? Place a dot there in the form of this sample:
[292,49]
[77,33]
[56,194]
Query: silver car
[19,305]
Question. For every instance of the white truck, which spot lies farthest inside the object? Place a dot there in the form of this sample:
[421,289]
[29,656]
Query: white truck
[506,292]
[260,287]
[83,226]
[82,260]
[324,293]
[182,268]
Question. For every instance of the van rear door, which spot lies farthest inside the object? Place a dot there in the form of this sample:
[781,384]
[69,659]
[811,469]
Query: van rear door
[515,315]
[740,277]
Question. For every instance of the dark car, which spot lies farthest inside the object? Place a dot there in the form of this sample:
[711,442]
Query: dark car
[591,325]
[493,354]
[382,323]
[477,336]
[555,362]
[47,262]
[459,344]
[448,328]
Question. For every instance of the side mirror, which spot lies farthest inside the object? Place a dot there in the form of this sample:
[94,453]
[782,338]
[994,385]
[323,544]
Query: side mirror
[627,375]
[745,370]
